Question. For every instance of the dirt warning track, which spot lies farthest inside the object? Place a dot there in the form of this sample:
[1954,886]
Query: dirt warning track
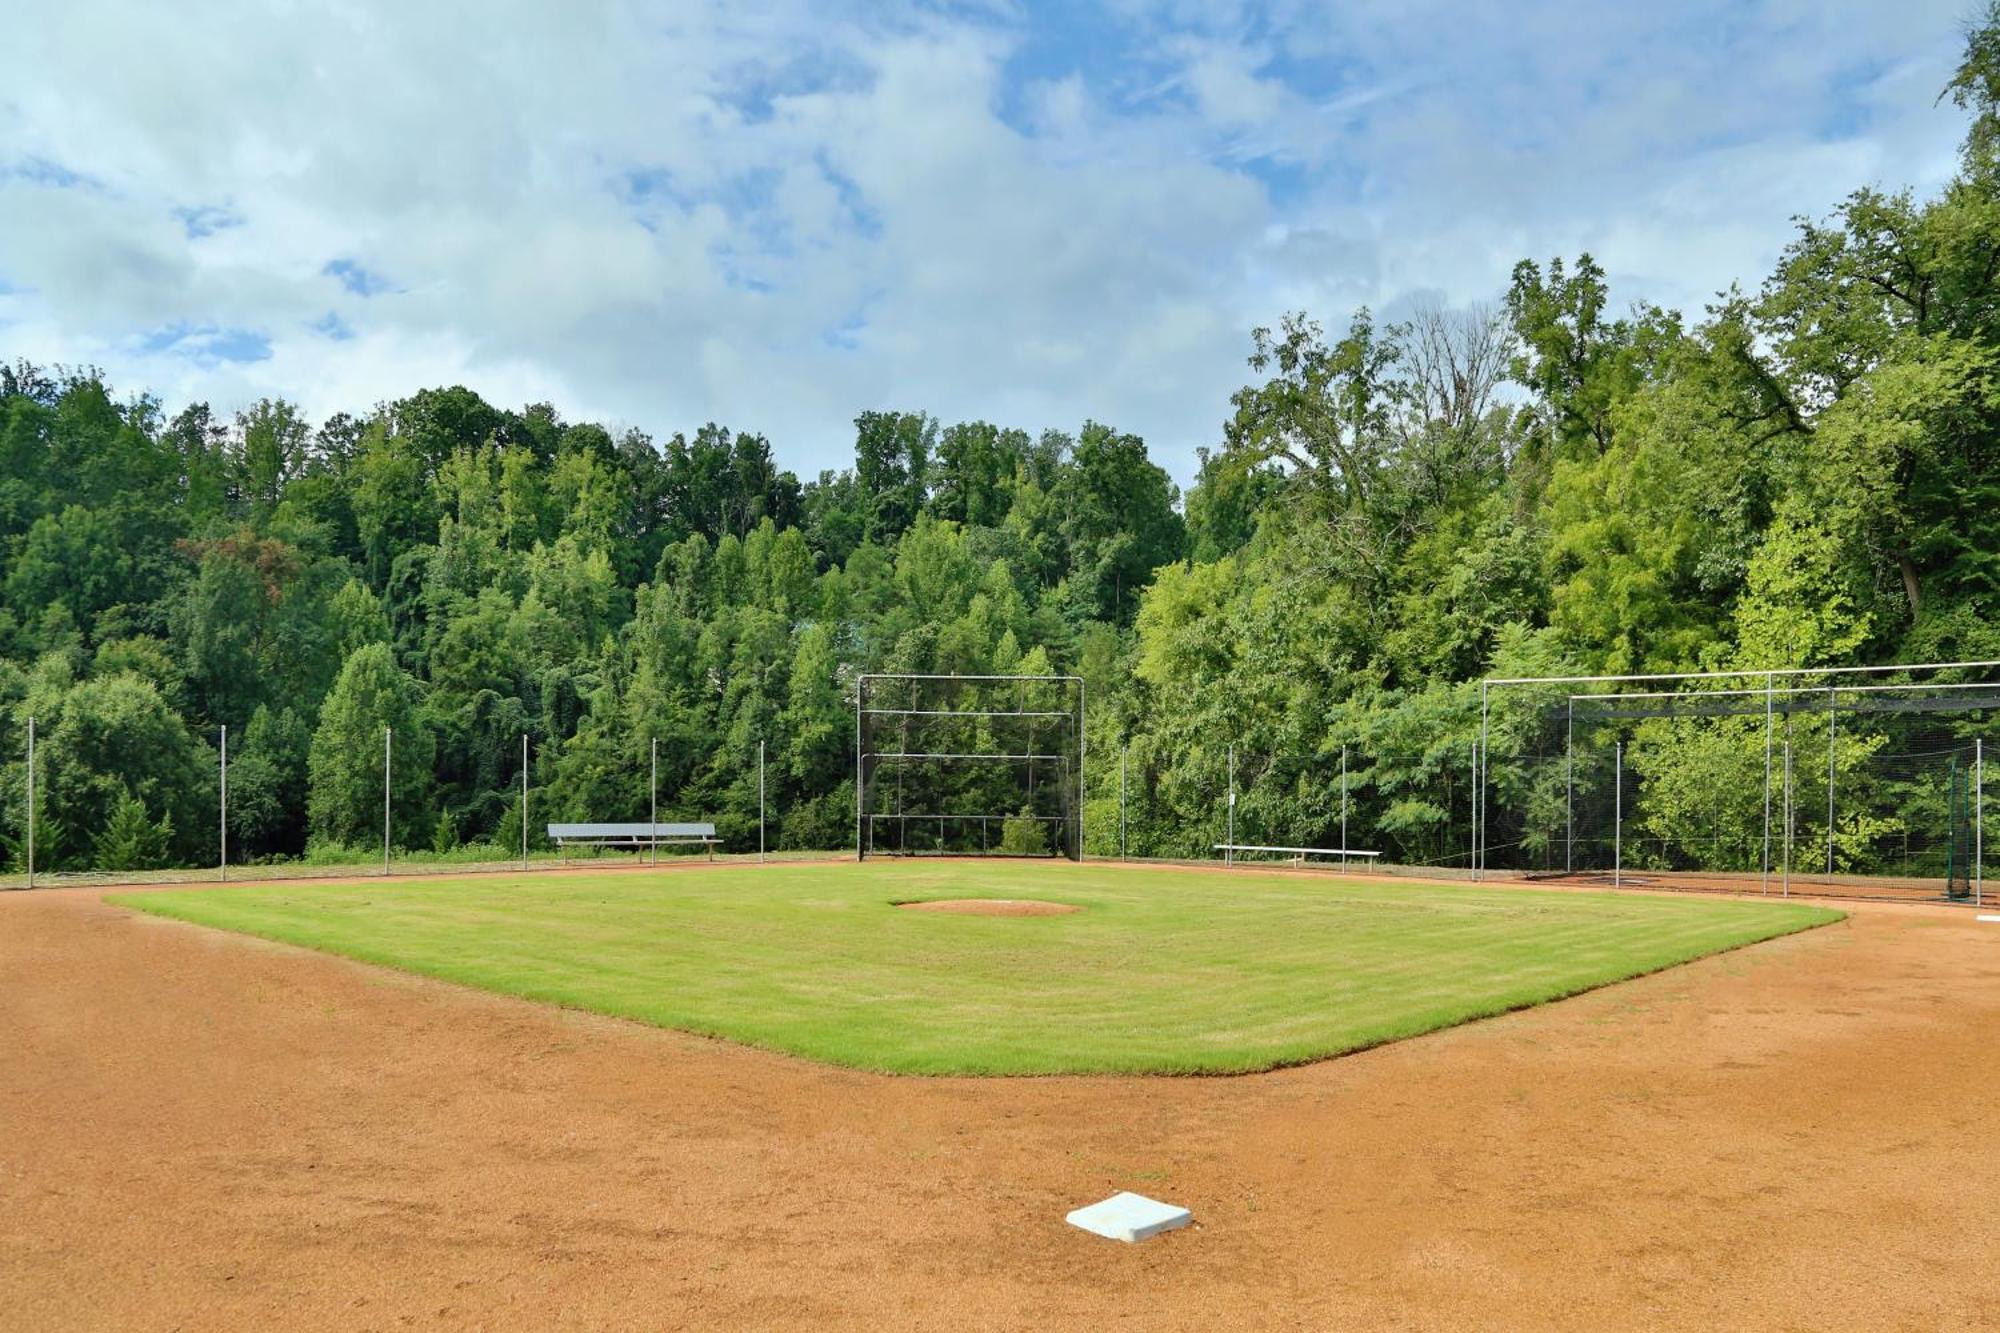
[203,1131]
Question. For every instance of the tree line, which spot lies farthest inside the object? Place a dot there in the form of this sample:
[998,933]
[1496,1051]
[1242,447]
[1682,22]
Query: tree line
[1803,474]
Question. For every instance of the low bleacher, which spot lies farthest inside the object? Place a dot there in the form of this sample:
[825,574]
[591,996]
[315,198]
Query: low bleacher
[636,836]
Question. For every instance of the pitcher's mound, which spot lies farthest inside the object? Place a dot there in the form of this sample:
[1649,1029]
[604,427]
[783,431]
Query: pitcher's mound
[990,907]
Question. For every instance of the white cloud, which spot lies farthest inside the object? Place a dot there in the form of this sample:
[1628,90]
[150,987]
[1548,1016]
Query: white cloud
[777,215]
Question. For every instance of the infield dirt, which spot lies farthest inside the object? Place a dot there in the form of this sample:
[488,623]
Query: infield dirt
[199,1130]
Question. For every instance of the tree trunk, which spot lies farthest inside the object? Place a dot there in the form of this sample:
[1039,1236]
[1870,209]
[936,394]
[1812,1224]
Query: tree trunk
[1910,588]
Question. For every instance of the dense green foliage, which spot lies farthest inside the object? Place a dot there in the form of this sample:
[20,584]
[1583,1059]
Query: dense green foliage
[1807,475]
[1161,972]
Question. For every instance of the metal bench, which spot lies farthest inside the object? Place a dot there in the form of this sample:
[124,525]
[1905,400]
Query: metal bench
[650,836]
[1297,854]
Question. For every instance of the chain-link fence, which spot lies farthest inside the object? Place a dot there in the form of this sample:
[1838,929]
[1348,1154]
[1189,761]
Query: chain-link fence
[77,818]
[1341,806]
[1762,783]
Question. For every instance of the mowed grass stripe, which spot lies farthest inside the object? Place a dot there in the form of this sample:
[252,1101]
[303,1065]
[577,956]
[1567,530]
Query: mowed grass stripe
[1164,971]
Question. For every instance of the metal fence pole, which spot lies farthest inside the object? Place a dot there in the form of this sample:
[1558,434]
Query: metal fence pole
[1082,767]
[653,829]
[1472,853]
[222,860]
[1979,822]
[1786,880]
[1765,880]
[1569,786]
[1229,837]
[1618,818]
[860,702]
[388,733]
[1830,723]
[1343,805]
[760,800]
[1479,813]
[524,800]
[1124,758]
[31,803]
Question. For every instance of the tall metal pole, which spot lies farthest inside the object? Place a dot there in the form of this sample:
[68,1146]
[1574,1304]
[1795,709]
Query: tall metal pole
[1472,853]
[1124,757]
[1830,723]
[524,800]
[1569,788]
[1618,818]
[1082,749]
[387,734]
[31,803]
[1479,815]
[653,829]
[1343,805]
[1786,881]
[1979,822]
[860,702]
[1765,882]
[760,800]
[222,861]
[1229,838]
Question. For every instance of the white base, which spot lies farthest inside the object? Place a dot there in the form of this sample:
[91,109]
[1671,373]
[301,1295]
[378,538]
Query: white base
[1129,1217]
[1988,916]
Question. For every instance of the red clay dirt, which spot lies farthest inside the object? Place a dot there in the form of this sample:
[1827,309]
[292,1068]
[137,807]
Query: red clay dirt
[991,907]
[199,1130]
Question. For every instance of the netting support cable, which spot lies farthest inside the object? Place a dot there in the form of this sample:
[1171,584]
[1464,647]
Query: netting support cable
[1740,675]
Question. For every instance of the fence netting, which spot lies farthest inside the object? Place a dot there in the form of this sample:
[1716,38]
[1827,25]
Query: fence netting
[1869,790]
[1408,807]
[1840,785]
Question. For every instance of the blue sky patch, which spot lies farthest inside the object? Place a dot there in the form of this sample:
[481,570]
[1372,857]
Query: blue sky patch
[207,345]
[754,90]
[356,279]
[206,220]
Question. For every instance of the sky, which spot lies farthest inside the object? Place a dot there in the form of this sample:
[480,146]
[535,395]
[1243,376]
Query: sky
[778,214]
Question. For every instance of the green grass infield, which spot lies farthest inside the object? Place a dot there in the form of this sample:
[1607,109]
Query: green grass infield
[1163,971]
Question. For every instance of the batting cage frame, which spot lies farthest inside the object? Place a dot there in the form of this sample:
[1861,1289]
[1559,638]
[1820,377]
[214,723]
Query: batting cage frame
[1863,781]
[968,765]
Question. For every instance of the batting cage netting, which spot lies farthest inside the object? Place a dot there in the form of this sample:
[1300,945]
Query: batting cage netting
[1765,781]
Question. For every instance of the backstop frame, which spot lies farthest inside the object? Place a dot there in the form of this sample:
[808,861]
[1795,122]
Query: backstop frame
[1073,834]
